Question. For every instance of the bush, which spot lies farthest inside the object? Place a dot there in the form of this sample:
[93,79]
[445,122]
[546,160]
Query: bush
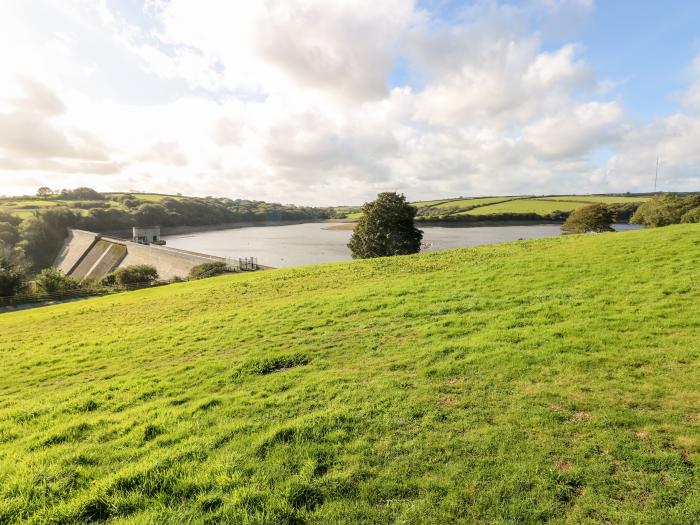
[594,218]
[208,270]
[385,228]
[131,275]
[53,280]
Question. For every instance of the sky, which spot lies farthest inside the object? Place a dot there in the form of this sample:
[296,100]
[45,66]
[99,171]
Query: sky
[328,102]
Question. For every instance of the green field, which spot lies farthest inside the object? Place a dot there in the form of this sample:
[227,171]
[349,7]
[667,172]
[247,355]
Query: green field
[24,207]
[540,207]
[455,207]
[605,199]
[466,203]
[554,380]
[147,197]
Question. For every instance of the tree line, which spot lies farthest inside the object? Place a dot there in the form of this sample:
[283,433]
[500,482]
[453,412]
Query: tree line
[38,238]
[30,244]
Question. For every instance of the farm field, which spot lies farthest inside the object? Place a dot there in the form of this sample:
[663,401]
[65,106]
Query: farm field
[512,205]
[146,197]
[605,199]
[549,380]
[478,201]
[538,206]
[24,207]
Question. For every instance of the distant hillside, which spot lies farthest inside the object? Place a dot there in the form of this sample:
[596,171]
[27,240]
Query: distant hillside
[544,208]
[553,380]
[37,225]
[208,208]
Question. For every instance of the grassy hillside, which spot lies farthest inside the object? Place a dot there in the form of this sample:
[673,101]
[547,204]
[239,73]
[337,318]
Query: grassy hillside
[508,207]
[548,380]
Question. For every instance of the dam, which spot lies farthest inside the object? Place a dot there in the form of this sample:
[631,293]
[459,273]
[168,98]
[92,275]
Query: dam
[89,255]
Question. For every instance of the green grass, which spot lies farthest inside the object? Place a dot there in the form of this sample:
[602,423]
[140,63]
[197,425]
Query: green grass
[554,380]
[423,204]
[479,201]
[147,197]
[541,207]
[605,199]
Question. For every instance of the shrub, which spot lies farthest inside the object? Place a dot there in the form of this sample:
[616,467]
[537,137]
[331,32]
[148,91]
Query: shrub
[130,275]
[594,218]
[208,270]
[53,280]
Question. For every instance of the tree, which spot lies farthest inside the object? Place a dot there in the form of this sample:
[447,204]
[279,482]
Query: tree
[44,192]
[386,228]
[12,275]
[41,235]
[661,211]
[82,194]
[9,233]
[594,218]
[692,215]
[151,214]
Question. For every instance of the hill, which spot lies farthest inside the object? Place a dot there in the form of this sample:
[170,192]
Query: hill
[547,380]
[505,208]
[36,227]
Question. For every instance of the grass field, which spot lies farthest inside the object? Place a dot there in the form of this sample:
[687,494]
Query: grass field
[24,207]
[541,207]
[465,203]
[147,197]
[516,204]
[605,199]
[554,380]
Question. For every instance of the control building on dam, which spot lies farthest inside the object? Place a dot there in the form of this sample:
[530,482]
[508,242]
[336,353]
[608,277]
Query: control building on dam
[88,255]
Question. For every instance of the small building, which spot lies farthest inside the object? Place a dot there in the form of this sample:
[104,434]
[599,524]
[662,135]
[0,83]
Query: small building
[146,235]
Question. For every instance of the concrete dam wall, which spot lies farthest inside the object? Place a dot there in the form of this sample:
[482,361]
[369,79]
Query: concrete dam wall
[88,255]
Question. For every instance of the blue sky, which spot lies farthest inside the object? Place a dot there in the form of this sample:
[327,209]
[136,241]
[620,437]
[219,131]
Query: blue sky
[646,45]
[319,102]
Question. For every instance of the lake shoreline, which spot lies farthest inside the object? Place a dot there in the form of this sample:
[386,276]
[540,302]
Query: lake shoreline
[349,224]
[335,225]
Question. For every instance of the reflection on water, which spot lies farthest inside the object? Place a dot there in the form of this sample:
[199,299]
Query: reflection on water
[310,243]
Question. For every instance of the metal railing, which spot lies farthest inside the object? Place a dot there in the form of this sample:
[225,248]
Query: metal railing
[242,264]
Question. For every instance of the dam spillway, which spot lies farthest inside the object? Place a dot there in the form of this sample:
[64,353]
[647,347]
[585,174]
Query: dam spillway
[89,255]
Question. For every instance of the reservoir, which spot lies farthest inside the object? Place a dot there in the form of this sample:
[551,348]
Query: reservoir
[314,242]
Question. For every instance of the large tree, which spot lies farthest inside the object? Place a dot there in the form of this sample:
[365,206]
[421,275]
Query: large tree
[594,218]
[386,228]
[12,274]
[665,209]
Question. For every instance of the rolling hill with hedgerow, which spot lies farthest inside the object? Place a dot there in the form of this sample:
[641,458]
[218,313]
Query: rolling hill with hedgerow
[553,380]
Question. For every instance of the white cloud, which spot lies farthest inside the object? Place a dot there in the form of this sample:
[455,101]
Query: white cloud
[292,100]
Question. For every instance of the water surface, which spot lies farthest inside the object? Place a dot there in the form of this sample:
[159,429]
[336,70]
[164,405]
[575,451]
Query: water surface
[310,243]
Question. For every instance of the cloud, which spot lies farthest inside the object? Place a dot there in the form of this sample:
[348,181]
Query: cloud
[37,98]
[31,139]
[575,132]
[320,102]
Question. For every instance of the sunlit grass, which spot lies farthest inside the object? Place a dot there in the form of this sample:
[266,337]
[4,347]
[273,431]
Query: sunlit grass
[540,207]
[547,380]
[605,199]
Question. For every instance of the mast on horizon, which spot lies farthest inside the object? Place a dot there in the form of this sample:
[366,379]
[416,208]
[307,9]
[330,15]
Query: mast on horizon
[656,176]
